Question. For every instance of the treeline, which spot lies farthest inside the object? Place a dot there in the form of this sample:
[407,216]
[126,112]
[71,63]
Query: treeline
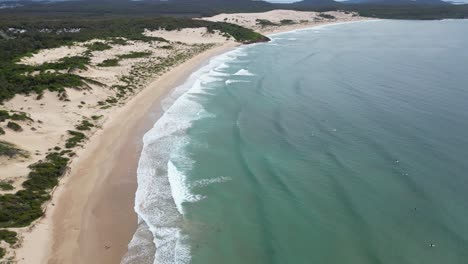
[411,12]
[198,8]
[20,36]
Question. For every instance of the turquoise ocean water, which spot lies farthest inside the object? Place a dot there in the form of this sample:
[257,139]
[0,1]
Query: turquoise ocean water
[337,144]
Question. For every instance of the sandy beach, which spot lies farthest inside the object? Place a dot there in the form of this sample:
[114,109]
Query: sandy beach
[90,218]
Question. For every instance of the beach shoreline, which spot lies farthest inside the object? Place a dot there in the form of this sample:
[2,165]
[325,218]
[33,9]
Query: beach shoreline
[82,218]
[91,217]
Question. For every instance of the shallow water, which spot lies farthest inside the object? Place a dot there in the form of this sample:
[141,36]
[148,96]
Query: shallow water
[338,144]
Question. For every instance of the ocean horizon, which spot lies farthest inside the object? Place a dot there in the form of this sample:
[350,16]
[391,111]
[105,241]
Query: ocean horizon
[341,143]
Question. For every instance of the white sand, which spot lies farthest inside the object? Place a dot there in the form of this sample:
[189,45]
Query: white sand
[190,35]
[301,19]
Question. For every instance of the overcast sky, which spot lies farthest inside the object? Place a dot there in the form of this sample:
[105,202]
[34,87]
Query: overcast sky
[290,1]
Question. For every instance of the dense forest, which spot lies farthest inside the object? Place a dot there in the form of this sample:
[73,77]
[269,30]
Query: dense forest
[401,9]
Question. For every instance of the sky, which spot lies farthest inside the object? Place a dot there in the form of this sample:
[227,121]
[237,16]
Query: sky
[290,1]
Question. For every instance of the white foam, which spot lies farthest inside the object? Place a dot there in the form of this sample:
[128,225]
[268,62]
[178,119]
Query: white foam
[244,72]
[163,189]
[321,27]
[206,182]
[229,82]
[179,187]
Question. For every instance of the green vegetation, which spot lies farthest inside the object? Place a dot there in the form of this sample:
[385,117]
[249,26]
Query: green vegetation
[14,126]
[67,63]
[98,46]
[6,186]
[265,22]
[287,22]
[18,78]
[118,41]
[326,16]
[23,207]
[134,55]
[4,115]
[2,252]
[95,117]
[20,116]
[84,125]
[75,139]
[10,150]
[109,63]
[8,236]
[2,132]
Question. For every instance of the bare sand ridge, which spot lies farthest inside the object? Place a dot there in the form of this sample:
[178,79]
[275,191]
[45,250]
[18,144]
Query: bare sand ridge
[276,21]
[90,218]
[190,35]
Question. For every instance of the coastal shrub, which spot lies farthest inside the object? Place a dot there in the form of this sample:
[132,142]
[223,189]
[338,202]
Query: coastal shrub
[326,16]
[98,46]
[119,41]
[4,115]
[44,175]
[75,139]
[10,150]
[2,252]
[84,125]
[20,116]
[111,100]
[96,117]
[287,22]
[8,236]
[135,54]
[265,22]
[67,63]
[6,186]
[109,63]
[21,208]
[2,132]
[14,126]
[25,206]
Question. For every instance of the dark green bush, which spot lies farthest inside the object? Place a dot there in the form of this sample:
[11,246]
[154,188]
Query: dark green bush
[109,63]
[326,16]
[6,186]
[111,100]
[44,175]
[84,125]
[75,139]
[2,132]
[4,115]
[20,116]
[23,207]
[14,126]
[8,236]
[265,22]
[98,46]
[287,22]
